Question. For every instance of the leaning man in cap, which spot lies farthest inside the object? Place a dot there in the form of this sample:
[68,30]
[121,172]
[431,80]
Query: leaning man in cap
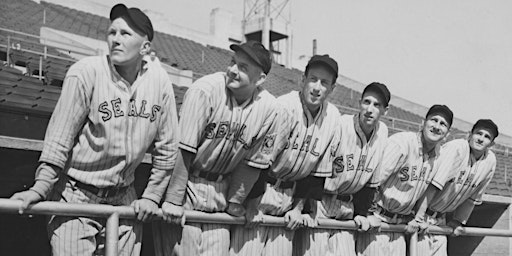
[231,128]
[111,110]
[298,174]
[363,137]
[405,172]
[464,169]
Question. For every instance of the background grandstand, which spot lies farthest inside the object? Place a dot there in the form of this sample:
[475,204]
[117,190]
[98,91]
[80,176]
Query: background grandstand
[33,69]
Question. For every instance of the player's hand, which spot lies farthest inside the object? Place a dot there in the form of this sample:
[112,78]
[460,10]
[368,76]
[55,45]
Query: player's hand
[363,224]
[235,209]
[253,217]
[145,209]
[293,219]
[412,226]
[27,197]
[457,227]
[374,223]
[310,220]
[173,214]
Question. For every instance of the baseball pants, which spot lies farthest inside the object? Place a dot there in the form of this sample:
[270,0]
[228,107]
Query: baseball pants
[431,244]
[327,242]
[265,240]
[382,243]
[70,235]
[196,239]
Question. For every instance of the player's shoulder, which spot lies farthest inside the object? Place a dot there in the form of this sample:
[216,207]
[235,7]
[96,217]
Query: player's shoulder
[88,64]
[456,143]
[491,157]
[332,111]
[210,84]
[404,138]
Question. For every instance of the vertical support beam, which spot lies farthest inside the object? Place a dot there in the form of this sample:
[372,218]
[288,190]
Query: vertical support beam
[265,34]
[112,235]
[413,244]
[509,209]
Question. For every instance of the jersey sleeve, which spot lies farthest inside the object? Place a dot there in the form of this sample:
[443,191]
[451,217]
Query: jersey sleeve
[165,147]
[194,116]
[263,152]
[445,167]
[476,197]
[67,119]
[374,180]
[392,159]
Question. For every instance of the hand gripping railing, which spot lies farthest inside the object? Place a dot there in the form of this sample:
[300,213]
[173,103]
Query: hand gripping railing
[114,213]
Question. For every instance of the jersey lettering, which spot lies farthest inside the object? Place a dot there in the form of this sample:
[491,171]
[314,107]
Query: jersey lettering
[350,166]
[116,106]
[404,174]
[116,110]
[225,129]
[103,108]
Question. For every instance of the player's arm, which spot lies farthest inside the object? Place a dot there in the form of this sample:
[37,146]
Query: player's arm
[260,157]
[65,124]
[307,191]
[164,155]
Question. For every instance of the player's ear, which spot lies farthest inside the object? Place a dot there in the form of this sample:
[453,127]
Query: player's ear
[261,79]
[386,109]
[145,47]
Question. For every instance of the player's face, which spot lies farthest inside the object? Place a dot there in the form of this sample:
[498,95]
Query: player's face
[480,140]
[317,85]
[124,43]
[243,73]
[435,128]
[372,109]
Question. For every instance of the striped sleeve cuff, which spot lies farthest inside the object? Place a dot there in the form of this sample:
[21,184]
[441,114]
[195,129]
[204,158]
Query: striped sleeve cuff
[187,148]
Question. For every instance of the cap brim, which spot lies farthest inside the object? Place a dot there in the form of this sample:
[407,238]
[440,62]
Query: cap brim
[236,47]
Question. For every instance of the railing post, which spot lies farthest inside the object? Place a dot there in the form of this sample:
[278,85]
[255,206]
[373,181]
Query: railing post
[413,244]
[40,68]
[112,235]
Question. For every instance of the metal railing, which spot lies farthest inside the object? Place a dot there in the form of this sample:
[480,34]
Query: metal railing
[114,213]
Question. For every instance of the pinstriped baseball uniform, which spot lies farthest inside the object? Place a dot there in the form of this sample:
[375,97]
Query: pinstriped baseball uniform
[309,151]
[99,133]
[405,174]
[223,135]
[357,159]
[459,177]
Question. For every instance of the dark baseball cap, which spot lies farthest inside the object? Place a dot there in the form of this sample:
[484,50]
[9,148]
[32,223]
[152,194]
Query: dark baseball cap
[381,90]
[135,18]
[487,124]
[324,60]
[257,52]
[443,111]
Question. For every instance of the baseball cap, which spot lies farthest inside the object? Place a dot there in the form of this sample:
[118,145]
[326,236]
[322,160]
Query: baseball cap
[381,90]
[135,18]
[257,52]
[326,61]
[441,110]
[486,124]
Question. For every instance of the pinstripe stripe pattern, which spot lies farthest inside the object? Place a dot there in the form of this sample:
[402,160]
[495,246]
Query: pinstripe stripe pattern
[310,145]
[222,133]
[86,236]
[380,244]
[458,179]
[309,151]
[406,173]
[430,244]
[115,124]
[359,159]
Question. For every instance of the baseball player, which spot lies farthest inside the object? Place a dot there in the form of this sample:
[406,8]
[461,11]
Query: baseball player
[112,109]
[300,169]
[360,152]
[404,174]
[231,128]
[465,168]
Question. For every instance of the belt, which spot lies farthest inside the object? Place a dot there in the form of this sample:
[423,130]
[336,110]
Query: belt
[210,176]
[393,215]
[342,197]
[433,213]
[99,192]
[278,182]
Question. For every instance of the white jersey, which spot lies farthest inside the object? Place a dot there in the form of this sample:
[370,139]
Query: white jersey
[405,172]
[102,127]
[356,158]
[311,143]
[460,176]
